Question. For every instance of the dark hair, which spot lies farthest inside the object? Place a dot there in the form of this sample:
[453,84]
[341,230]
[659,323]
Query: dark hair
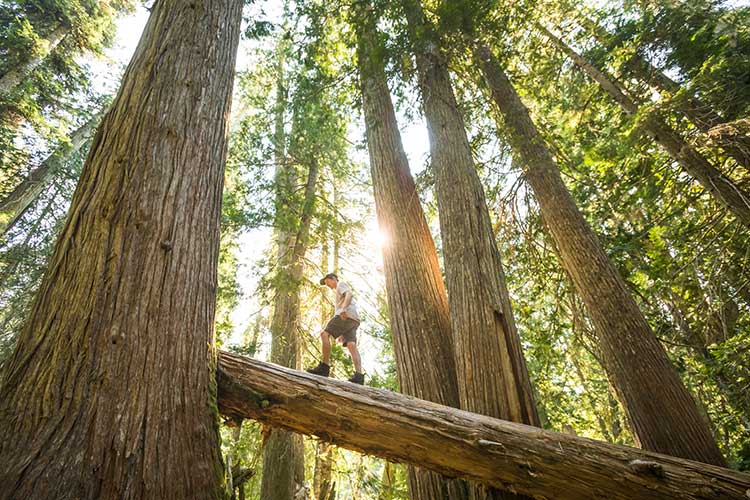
[329,275]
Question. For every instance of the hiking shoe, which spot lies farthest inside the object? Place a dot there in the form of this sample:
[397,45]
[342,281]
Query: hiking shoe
[357,378]
[322,369]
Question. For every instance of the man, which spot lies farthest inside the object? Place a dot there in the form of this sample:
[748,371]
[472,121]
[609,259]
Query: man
[344,324]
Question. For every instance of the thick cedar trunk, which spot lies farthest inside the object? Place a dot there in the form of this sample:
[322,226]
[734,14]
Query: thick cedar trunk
[718,185]
[491,370]
[111,391]
[662,412]
[17,201]
[532,461]
[12,78]
[417,301]
[699,113]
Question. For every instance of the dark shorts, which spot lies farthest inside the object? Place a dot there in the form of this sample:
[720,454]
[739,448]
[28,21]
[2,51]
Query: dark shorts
[344,328]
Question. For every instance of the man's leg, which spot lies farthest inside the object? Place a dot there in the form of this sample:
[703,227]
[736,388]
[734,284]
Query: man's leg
[323,367]
[325,344]
[354,353]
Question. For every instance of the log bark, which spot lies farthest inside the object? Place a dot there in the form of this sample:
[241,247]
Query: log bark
[456,443]
[111,390]
[12,78]
[417,300]
[664,416]
[17,201]
[718,185]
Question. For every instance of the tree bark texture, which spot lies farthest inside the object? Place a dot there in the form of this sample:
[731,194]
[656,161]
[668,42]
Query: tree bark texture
[417,300]
[491,370]
[15,76]
[18,200]
[664,416]
[110,393]
[492,375]
[501,454]
[718,185]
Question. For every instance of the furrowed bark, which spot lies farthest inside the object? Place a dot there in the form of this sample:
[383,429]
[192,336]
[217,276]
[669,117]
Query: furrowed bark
[111,390]
[491,370]
[417,300]
[718,185]
[15,76]
[18,200]
[455,443]
[664,416]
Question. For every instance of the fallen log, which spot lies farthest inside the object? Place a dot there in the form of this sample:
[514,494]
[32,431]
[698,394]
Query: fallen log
[455,443]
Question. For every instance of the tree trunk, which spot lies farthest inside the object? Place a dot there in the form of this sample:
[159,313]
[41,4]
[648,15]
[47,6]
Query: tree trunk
[386,482]
[322,484]
[111,391]
[664,416]
[718,185]
[12,78]
[283,461]
[457,443]
[698,112]
[323,487]
[283,455]
[491,370]
[14,205]
[417,301]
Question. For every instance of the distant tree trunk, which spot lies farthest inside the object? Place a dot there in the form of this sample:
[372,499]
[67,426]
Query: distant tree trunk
[725,375]
[491,370]
[323,487]
[664,416]
[336,233]
[698,112]
[718,185]
[283,455]
[386,482]
[232,461]
[14,76]
[418,305]
[283,458]
[111,391]
[14,205]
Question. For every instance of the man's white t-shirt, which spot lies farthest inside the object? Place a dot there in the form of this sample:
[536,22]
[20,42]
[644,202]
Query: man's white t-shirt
[351,310]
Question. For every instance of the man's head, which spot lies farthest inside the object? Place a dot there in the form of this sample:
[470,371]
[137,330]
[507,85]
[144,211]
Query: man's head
[330,280]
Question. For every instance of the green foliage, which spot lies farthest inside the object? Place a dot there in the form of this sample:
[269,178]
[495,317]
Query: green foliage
[48,97]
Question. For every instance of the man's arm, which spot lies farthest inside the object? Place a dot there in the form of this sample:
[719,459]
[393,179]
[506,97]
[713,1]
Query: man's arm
[345,304]
[347,299]
[347,292]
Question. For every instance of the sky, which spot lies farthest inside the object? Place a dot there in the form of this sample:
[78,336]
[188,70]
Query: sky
[365,268]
